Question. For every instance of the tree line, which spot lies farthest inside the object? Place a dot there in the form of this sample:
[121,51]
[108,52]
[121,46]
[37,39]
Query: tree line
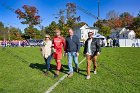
[67,18]
[115,20]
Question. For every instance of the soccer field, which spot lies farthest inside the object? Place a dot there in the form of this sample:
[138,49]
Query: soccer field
[21,71]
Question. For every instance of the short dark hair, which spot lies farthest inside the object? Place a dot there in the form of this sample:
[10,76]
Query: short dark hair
[90,32]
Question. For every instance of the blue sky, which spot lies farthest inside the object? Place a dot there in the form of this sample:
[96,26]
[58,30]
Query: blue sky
[49,7]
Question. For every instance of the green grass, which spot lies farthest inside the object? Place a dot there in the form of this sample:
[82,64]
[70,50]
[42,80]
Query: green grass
[118,72]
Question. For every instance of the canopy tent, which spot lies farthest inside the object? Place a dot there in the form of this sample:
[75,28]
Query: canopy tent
[98,36]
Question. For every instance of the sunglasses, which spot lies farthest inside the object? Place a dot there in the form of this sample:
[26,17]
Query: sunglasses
[90,34]
[46,37]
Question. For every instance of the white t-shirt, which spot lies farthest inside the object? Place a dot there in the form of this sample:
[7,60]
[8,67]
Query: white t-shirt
[89,52]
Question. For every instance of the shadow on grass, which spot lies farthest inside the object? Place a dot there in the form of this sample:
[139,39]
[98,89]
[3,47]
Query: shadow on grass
[42,67]
[80,72]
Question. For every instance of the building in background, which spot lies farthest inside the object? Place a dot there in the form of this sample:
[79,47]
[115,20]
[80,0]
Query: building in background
[82,32]
[122,33]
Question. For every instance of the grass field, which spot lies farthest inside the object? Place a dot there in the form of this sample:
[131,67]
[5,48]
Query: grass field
[21,71]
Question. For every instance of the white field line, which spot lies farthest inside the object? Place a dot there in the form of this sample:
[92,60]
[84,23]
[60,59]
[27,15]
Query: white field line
[61,79]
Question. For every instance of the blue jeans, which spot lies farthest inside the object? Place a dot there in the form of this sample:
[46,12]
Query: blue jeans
[72,56]
[47,61]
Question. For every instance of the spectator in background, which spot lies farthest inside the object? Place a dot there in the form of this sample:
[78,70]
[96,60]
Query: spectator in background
[114,42]
[108,42]
[104,42]
[111,42]
[117,43]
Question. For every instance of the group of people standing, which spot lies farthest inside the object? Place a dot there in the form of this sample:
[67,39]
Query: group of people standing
[71,46]
[112,42]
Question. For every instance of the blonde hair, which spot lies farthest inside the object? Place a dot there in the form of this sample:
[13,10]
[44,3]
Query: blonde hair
[57,30]
[47,36]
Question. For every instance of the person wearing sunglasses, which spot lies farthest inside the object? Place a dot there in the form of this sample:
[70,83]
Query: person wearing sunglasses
[91,50]
[46,50]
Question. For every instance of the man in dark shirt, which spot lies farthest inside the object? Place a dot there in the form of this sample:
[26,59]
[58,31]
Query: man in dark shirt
[72,50]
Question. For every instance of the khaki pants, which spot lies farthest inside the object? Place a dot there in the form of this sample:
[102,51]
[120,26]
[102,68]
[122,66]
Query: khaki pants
[94,60]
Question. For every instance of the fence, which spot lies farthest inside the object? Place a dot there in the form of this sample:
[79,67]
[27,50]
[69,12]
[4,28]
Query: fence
[129,42]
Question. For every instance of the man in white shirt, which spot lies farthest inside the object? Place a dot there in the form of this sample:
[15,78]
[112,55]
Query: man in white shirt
[92,49]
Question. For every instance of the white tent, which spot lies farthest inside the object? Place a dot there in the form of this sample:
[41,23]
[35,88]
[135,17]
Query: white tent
[98,36]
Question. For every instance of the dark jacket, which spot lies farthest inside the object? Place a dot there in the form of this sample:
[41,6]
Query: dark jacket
[72,45]
[95,46]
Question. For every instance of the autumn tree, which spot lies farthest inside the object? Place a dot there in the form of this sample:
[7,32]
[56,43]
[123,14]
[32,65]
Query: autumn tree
[14,33]
[112,15]
[33,33]
[99,24]
[114,23]
[30,17]
[66,18]
[71,14]
[136,25]
[127,19]
[51,28]
[137,31]
[80,24]
[113,19]
[136,22]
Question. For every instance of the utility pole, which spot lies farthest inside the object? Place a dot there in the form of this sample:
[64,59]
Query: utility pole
[98,9]
[98,15]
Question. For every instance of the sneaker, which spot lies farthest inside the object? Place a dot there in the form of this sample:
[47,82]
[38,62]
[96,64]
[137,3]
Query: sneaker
[69,72]
[70,75]
[95,72]
[88,77]
[55,76]
[62,69]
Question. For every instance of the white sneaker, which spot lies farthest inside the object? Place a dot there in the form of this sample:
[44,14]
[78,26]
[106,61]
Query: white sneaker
[95,72]
[88,77]
[69,73]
